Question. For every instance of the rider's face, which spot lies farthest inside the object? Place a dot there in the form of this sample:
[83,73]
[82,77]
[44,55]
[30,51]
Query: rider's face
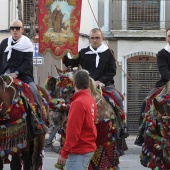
[168,37]
[16,29]
[96,39]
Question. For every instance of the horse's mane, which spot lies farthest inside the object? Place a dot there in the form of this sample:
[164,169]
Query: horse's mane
[105,111]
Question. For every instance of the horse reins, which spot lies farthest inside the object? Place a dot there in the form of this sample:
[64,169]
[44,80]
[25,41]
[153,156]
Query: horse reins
[6,86]
[100,88]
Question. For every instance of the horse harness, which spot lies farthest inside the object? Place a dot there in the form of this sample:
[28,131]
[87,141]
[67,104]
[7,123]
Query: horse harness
[6,86]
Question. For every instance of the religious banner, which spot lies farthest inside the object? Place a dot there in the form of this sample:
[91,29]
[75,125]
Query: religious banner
[59,25]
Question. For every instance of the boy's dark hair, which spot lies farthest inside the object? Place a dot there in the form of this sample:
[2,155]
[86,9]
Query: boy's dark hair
[81,79]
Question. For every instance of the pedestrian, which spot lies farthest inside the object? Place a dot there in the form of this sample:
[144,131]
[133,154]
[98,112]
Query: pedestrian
[163,62]
[16,59]
[81,133]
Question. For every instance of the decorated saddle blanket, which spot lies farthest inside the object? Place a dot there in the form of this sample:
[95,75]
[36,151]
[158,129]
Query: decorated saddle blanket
[110,96]
[13,125]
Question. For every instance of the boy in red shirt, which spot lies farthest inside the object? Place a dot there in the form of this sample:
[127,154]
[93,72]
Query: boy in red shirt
[81,131]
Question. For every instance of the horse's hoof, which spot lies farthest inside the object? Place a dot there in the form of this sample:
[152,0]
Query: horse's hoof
[139,140]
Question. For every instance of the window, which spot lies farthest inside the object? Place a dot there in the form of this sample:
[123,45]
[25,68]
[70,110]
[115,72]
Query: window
[31,28]
[143,14]
[26,12]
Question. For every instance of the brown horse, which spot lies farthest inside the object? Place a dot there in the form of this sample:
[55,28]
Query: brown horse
[18,119]
[110,147]
[156,148]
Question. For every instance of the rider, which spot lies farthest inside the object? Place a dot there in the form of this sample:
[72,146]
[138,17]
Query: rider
[16,59]
[99,60]
[163,62]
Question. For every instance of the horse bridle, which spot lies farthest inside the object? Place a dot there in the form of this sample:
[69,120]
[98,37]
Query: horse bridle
[6,86]
[100,90]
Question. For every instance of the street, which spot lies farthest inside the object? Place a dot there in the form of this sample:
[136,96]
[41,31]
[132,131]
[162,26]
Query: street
[127,162]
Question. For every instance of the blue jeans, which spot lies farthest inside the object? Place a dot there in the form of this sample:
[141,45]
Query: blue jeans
[78,162]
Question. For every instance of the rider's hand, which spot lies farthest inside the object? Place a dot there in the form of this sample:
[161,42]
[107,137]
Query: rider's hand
[13,75]
[61,160]
[97,83]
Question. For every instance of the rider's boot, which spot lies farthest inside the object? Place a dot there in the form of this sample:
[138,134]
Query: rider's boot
[123,133]
[140,138]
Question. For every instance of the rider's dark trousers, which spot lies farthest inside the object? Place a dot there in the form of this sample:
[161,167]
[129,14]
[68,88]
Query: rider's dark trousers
[142,109]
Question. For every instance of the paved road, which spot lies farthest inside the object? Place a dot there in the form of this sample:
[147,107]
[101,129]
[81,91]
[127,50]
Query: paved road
[127,162]
[130,161]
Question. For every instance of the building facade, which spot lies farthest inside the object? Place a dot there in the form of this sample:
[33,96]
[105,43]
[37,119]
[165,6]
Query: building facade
[134,29]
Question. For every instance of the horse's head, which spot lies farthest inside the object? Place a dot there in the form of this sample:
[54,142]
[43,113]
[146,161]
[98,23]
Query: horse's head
[105,110]
[59,112]
[60,89]
[60,86]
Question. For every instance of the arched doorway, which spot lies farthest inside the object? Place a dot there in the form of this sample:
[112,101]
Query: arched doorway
[143,70]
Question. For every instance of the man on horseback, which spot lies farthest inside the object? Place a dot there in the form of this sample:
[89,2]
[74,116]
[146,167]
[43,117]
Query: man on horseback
[163,62]
[99,60]
[16,59]
[81,132]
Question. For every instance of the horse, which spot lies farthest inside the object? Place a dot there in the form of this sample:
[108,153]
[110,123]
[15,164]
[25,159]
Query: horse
[108,122]
[156,148]
[18,121]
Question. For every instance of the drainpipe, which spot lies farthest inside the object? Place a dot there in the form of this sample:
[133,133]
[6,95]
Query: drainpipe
[9,13]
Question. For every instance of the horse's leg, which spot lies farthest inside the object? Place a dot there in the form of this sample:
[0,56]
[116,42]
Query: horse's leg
[27,160]
[15,162]
[39,142]
[1,164]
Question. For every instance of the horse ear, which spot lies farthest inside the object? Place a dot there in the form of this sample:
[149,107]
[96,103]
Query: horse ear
[158,105]
[79,67]
[51,83]
[59,71]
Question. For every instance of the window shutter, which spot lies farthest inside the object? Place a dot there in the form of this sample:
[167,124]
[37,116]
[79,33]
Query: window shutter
[143,14]
[26,12]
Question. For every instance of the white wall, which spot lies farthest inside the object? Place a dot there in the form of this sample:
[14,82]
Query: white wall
[3,36]
[87,22]
[4,14]
[126,47]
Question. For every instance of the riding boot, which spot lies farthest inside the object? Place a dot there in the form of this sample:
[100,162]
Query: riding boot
[122,132]
[140,138]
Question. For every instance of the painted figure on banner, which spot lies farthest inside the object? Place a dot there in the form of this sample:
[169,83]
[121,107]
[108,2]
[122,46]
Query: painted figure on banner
[57,20]
[59,25]
[60,30]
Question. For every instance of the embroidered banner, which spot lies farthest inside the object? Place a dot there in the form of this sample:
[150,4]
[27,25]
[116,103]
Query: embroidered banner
[59,25]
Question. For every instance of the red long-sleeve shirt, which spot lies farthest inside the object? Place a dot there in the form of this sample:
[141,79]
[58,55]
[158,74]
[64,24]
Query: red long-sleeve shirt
[81,131]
